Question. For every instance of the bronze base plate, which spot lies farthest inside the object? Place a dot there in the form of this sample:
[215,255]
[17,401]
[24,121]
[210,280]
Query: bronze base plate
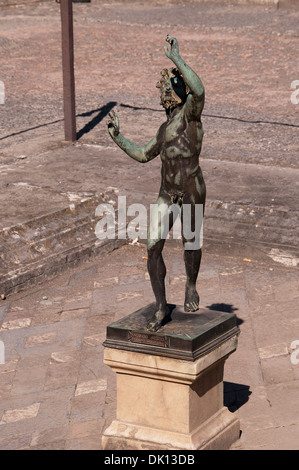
[184,335]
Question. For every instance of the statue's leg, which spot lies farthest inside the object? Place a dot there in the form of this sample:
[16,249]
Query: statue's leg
[157,272]
[192,260]
[192,252]
[160,224]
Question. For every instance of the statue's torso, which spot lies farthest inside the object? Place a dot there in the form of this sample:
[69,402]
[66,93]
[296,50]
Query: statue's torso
[181,141]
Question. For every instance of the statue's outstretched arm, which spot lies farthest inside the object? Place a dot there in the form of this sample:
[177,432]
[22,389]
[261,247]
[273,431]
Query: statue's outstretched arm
[195,100]
[137,152]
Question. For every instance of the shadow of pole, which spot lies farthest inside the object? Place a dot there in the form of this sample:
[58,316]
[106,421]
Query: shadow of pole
[103,111]
[108,107]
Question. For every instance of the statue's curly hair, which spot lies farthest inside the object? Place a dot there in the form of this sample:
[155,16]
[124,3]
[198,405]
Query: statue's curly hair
[169,73]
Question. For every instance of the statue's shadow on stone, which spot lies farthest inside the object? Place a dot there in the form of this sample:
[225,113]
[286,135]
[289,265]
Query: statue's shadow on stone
[228,308]
[235,395]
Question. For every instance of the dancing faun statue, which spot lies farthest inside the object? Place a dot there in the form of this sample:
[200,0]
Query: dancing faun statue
[178,142]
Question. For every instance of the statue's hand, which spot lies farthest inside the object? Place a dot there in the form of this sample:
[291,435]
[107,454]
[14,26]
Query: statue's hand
[174,49]
[113,124]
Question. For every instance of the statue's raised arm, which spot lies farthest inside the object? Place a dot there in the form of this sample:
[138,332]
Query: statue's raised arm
[195,97]
[137,152]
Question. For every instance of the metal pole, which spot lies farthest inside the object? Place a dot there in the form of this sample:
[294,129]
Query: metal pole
[69,105]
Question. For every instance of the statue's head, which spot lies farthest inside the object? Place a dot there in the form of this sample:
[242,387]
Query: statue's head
[173,89]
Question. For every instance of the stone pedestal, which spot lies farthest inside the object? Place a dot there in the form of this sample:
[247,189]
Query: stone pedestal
[170,383]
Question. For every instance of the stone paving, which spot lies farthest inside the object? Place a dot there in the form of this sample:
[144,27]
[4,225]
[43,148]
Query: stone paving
[55,391]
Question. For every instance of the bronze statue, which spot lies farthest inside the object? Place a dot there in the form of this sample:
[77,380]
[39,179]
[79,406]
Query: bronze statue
[178,142]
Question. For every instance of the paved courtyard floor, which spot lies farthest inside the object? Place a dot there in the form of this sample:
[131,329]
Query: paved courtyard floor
[55,391]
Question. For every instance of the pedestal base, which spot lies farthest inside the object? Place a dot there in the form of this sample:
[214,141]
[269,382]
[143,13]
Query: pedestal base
[217,433]
[170,395]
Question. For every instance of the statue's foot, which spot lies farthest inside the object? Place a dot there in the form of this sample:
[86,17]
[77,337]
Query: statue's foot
[191,300]
[156,322]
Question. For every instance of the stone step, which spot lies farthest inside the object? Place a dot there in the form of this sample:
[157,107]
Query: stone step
[41,248]
[252,224]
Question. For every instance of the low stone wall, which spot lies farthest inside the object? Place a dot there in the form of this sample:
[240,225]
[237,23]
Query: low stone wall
[21,2]
[241,2]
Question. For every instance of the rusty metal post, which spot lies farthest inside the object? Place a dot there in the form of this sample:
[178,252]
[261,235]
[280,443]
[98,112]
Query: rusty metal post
[69,104]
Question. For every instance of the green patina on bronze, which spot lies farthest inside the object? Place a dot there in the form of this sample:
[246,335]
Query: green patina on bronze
[178,142]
